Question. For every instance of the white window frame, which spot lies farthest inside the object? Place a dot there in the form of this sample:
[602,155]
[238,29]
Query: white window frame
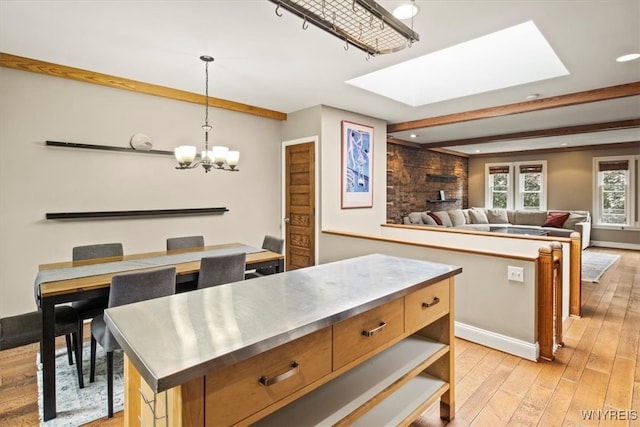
[488,200]
[519,190]
[631,192]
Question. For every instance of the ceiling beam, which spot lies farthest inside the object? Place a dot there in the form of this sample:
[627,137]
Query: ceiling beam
[632,144]
[542,133]
[594,95]
[56,70]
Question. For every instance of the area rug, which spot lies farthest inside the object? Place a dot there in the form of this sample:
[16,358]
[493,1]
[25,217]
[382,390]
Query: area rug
[594,264]
[77,406]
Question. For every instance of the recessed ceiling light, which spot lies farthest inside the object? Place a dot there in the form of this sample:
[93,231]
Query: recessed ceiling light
[506,58]
[406,11]
[477,151]
[413,135]
[564,144]
[533,96]
[628,57]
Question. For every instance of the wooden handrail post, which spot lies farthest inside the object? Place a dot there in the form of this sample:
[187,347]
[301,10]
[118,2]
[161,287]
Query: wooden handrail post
[545,302]
[575,275]
[556,249]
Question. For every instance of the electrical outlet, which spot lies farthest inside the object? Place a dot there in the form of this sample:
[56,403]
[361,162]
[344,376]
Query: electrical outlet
[515,274]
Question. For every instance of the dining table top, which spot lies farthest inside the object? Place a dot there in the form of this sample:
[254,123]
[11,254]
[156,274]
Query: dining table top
[85,283]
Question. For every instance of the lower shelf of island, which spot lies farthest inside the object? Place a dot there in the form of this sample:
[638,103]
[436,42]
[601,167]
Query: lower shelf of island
[391,388]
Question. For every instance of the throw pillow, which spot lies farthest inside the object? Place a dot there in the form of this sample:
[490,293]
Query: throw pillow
[574,218]
[497,216]
[457,217]
[444,218]
[478,216]
[415,217]
[427,219]
[435,218]
[556,219]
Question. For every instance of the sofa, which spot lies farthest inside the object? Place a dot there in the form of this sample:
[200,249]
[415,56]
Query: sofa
[558,223]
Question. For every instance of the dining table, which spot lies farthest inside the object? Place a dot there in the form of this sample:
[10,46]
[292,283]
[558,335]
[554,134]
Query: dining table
[68,281]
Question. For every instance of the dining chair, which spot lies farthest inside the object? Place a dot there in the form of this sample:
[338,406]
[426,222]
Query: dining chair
[92,307]
[220,269]
[26,328]
[187,242]
[273,244]
[127,288]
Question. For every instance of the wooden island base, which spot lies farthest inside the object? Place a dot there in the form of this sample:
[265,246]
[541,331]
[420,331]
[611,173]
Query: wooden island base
[384,366]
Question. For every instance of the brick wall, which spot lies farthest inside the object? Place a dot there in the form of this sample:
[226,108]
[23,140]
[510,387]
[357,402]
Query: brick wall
[409,187]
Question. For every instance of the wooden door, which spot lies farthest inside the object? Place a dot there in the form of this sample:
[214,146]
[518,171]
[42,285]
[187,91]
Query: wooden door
[300,206]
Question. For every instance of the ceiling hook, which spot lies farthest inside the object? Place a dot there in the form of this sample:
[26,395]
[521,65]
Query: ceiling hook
[346,44]
[305,24]
[382,22]
[277,9]
[353,6]
[323,14]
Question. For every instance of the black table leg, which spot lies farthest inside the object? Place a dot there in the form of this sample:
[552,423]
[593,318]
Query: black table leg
[280,266]
[48,358]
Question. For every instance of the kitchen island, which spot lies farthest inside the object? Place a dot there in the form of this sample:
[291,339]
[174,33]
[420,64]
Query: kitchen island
[363,338]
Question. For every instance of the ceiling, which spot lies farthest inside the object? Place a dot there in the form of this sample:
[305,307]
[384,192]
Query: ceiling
[271,62]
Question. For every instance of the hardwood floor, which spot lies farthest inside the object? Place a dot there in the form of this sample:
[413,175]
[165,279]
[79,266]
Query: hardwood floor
[597,370]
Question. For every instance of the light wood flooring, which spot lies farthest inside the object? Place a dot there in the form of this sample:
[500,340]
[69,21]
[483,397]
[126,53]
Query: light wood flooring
[598,369]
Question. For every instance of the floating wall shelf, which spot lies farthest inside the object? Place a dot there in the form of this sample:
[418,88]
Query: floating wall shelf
[441,177]
[137,213]
[106,148]
[441,201]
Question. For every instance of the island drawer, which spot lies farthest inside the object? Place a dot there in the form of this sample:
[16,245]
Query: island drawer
[237,391]
[366,332]
[426,305]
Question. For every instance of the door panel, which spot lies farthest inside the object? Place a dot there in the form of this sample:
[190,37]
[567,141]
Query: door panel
[300,205]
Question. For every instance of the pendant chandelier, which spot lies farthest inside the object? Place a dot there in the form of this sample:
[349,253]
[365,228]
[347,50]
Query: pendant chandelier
[218,157]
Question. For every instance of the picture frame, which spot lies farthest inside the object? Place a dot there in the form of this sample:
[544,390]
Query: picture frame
[357,166]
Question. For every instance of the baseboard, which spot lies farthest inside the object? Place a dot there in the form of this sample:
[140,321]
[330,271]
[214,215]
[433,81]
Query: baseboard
[499,342]
[615,245]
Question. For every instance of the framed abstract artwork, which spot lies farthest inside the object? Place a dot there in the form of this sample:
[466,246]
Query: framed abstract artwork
[357,166]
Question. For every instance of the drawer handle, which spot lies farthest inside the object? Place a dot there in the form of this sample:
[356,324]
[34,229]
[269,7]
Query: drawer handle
[432,303]
[283,376]
[374,330]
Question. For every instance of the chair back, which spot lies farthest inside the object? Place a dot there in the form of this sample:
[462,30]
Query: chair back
[186,242]
[103,250]
[128,288]
[217,270]
[273,244]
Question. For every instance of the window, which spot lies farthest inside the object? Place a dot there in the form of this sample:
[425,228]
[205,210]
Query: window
[527,191]
[531,186]
[499,186]
[614,189]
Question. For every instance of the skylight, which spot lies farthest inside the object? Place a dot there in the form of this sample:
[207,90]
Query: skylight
[510,57]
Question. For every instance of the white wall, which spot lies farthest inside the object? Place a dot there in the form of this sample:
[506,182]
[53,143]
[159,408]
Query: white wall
[365,220]
[35,179]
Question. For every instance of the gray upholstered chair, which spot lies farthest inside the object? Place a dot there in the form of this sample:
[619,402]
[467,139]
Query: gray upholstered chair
[217,270]
[273,244]
[127,288]
[26,328]
[92,307]
[187,242]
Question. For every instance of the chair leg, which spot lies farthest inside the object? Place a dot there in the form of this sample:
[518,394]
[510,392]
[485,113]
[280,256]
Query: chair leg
[92,367]
[69,350]
[110,384]
[77,345]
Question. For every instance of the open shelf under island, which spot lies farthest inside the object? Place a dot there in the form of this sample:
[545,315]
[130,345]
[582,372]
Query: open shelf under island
[375,333]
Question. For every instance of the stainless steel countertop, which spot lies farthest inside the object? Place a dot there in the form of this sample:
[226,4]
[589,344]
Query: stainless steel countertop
[175,339]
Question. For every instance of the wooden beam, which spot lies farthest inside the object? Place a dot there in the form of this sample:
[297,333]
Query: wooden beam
[397,141]
[56,70]
[542,133]
[594,95]
[632,144]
